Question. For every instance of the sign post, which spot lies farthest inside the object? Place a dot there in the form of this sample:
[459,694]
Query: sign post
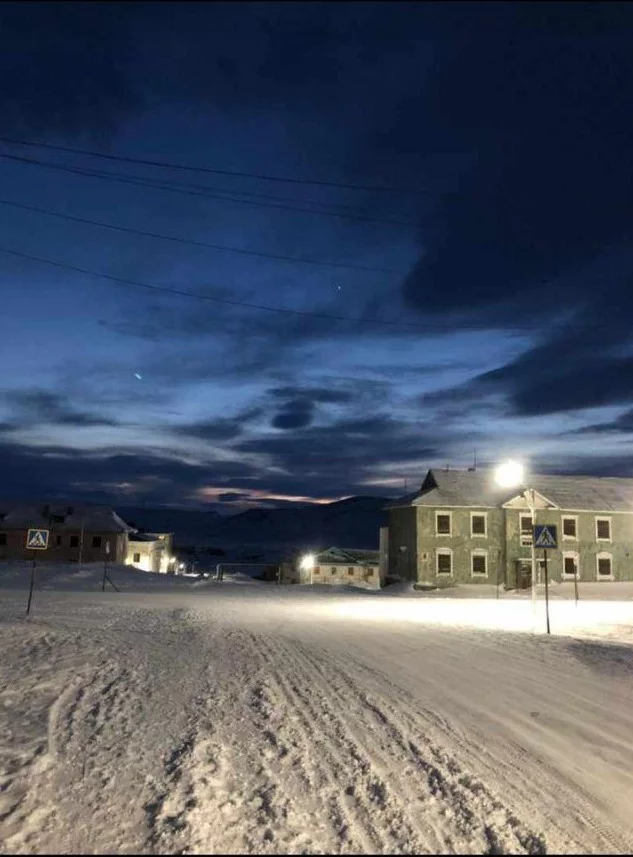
[36,540]
[545,537]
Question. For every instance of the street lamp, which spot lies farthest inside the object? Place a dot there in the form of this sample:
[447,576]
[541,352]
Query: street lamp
[510,474]
[307,564]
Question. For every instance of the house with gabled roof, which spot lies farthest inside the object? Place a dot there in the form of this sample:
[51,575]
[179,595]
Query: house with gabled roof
[344,565]
[461,527]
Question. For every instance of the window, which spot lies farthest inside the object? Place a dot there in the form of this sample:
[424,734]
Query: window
[136,557]
[316,570]
[443,523]
[526,529]
[570,528]
[478,524]
[479,564]
[350,570]
[3,538]
[604,566]
[570,566]
[444,561]
[57,519]
[96,541]
[332,570]
[74,541]
[603,529]
[58,540]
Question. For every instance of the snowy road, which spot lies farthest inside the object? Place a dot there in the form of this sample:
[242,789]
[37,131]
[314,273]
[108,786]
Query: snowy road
[239,719]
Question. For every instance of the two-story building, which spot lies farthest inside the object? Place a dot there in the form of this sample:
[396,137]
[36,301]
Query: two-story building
[461,527]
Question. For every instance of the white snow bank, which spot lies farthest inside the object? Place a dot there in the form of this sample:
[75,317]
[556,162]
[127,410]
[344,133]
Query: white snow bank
[85,577]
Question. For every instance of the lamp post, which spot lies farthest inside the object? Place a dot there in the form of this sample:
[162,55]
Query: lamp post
[510,474]
[307,564]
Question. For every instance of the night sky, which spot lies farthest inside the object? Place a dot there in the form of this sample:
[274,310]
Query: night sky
[456,218]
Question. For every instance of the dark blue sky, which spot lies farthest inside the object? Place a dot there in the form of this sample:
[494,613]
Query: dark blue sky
[498,254]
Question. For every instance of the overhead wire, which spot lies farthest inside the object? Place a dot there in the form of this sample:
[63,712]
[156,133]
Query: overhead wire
[448,326]
[195,243]
[203,191]
[212,170]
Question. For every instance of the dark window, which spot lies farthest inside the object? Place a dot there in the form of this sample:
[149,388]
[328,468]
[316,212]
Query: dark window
[444,525]
[569,527]
[70,510]
[332,570]
[57,519]
[3,538]
[479,564]
[603,528]
[570,566]
[137,557]
[604,566]
[444,563]
[96,541]
[479,525]
[350,570]
[74,541]
[526,529]
[58,540]
[316,570]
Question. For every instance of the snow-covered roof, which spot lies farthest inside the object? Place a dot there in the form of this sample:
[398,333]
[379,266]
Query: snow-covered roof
[478,489]
[347,555]
[63,517]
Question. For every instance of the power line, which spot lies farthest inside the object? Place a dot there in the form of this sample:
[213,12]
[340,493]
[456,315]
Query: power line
[193,242]
[448,326]
[183,293]
[188,168]
[202,190]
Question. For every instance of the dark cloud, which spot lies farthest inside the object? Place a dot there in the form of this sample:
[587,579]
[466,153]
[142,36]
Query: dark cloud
[67,67]
[32,407]
[536,101]
[295,414]
[225,428]
[622,424]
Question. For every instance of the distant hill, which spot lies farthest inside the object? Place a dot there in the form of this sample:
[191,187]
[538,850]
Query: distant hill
[354,522]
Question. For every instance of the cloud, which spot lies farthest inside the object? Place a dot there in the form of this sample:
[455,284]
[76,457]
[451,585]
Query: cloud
[225,428]
[37,406]
[622,424]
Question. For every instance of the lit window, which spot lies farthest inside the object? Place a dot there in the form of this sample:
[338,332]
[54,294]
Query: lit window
[570,528]
[479,564]
[603,529]
[444,560]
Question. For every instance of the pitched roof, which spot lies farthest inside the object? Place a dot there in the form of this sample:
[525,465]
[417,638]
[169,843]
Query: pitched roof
[478,489]
[94,519]
[346,555]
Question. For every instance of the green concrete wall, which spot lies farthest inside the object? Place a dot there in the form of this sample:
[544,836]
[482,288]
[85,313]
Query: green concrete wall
[415,528]
[402,530]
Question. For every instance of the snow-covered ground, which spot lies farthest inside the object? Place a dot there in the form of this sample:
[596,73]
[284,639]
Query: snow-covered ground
[178,716]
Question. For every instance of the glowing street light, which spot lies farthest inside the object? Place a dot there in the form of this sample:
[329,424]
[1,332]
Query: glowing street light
[510,474]
[307,564]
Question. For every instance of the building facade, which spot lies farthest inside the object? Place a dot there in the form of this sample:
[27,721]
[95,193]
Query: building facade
[76,533]
[460,527]
[344,565]
[151,552]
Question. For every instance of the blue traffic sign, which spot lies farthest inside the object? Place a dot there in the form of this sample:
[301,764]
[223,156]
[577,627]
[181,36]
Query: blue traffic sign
[545,536]
[37,540]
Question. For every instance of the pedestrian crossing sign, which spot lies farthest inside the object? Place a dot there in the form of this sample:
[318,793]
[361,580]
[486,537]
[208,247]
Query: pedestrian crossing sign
[37,540]
[545,536]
